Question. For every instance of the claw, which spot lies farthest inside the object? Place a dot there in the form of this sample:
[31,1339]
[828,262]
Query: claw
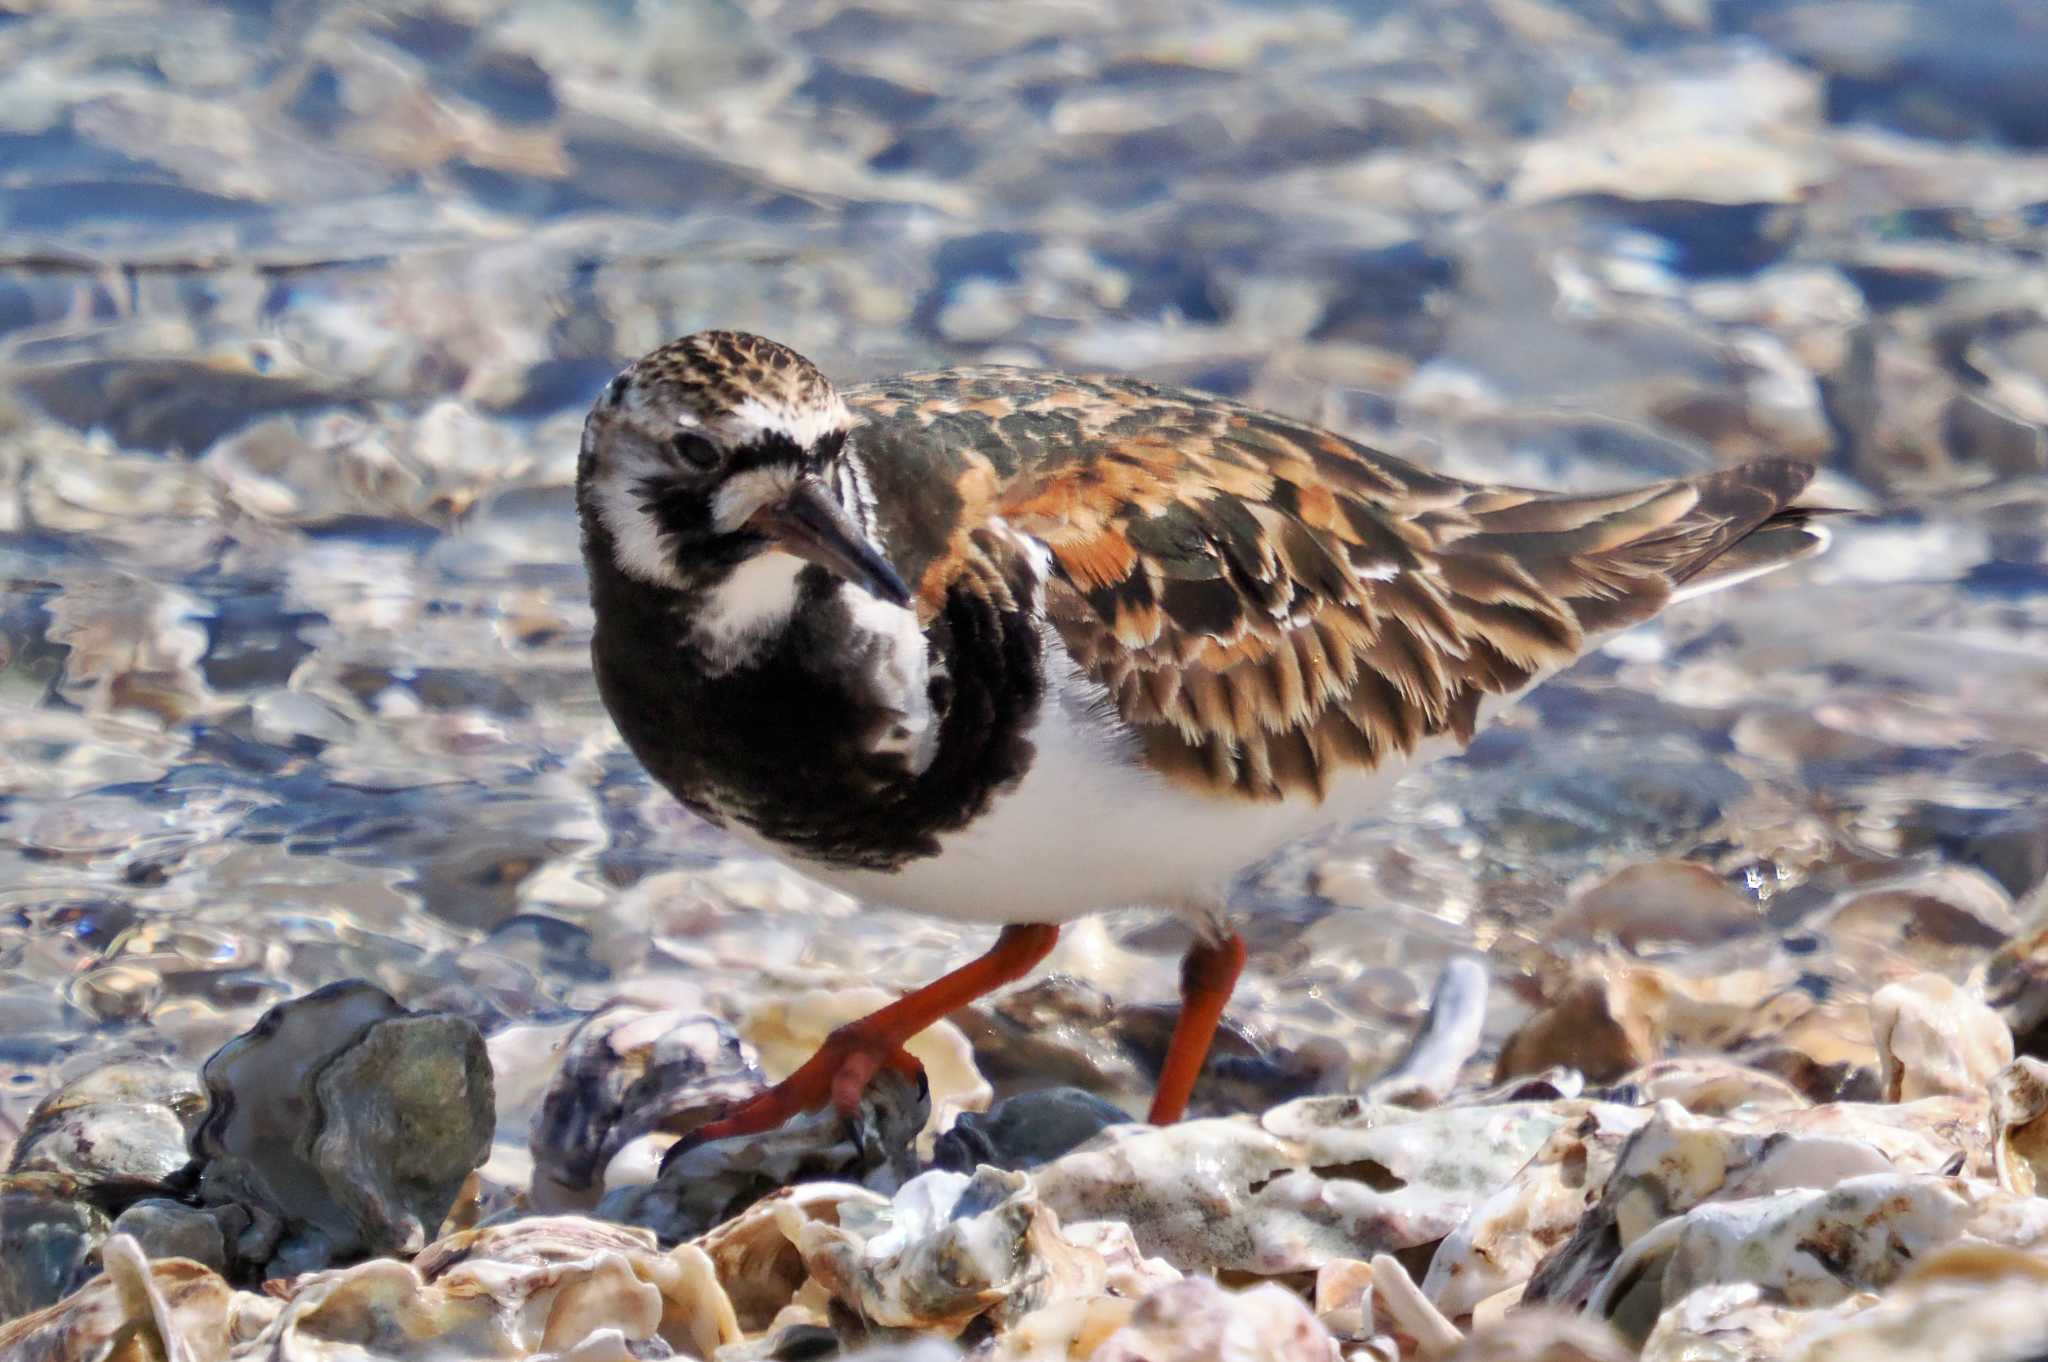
[838,1074]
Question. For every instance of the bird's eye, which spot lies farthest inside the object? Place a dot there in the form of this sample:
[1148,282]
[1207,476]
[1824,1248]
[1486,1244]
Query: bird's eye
[696,450]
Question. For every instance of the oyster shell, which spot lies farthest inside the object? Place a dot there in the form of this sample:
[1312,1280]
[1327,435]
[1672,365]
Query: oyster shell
[1313,1179]
[1967,1303]
[48,1234]
[755,1253]
[343,1126]
[2019,1099]
[557,1287]
[626,1071]
[119,1130]
[1026,1130]
[169,1229]
[1198,1321]
[709,1183]
[1813,1246]
[1543,1336]
[1499,1245]
[178,1311]
[1935,1040]
[1676,1162]
[946,1250]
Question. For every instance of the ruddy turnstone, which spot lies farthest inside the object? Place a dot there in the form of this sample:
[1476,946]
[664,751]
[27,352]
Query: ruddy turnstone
[1012,646]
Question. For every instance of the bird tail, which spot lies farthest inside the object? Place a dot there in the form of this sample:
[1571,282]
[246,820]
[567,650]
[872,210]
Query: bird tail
[1752,545]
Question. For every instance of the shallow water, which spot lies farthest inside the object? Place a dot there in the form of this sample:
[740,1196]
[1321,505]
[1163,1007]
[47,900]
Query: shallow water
[300,307]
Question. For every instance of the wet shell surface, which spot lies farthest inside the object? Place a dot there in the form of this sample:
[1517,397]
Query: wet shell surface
[341,1126]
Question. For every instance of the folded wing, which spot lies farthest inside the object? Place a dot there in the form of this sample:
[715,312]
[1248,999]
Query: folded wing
[1270,605]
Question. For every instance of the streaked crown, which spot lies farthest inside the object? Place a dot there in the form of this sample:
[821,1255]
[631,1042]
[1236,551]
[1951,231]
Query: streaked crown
[734,387]
[720,448]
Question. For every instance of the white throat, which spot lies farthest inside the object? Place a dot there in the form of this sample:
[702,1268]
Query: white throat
[881,646]
[742,613]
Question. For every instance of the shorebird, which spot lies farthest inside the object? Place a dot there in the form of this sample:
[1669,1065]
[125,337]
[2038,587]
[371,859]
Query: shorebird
[1012,646]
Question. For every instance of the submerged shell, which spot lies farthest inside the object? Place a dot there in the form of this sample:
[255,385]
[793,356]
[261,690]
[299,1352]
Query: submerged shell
[1710,1085]
[48,1233]
[176,1310]
[1449,1036]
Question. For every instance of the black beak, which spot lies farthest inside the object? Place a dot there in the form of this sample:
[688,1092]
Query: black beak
[809,524]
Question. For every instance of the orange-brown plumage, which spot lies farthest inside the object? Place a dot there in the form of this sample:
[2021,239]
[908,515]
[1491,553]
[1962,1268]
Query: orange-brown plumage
[1269,603]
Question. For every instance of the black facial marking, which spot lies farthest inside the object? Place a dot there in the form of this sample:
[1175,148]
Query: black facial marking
[680,509]
[782,742]
[770,447]
[615,391]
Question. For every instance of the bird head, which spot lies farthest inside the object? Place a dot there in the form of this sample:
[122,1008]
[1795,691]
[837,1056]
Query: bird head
[717,450]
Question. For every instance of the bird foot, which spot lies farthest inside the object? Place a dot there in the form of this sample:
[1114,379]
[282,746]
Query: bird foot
[838,1073]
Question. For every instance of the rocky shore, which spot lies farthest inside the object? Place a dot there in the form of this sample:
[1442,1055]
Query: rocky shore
[354,983]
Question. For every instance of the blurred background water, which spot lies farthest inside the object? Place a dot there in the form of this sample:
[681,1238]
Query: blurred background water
[301,305]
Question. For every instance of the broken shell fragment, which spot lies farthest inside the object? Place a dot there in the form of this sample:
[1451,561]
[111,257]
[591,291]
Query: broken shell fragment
[2019,1101]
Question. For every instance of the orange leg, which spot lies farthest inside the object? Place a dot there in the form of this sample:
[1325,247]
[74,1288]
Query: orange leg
[1206,978]
[854,1053]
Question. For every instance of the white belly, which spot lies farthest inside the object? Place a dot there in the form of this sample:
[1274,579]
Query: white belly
[1087,829]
